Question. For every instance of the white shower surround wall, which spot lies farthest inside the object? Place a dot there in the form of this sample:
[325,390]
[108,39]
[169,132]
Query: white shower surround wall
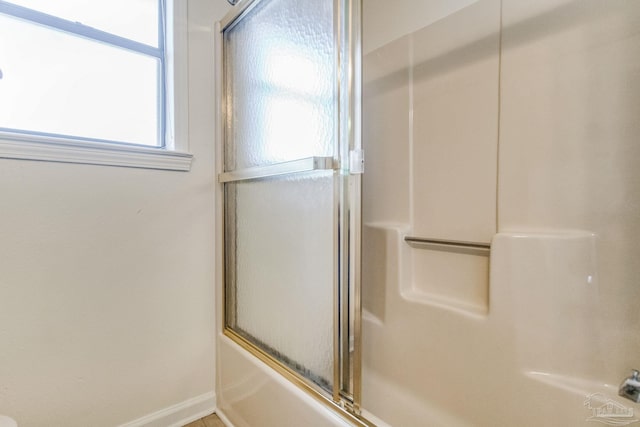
[512,122]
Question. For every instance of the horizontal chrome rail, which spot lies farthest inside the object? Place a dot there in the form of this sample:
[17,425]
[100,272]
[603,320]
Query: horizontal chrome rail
[294,166]
[449,245]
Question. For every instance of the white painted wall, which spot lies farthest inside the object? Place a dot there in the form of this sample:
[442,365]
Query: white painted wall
[106,276]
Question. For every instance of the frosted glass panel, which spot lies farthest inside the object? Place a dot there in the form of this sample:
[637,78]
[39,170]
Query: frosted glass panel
[282,242]
[280,83]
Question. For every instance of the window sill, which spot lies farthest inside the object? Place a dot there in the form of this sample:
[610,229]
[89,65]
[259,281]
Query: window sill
[52,149]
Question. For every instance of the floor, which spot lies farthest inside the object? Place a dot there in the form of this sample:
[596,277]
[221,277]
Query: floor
[208,421]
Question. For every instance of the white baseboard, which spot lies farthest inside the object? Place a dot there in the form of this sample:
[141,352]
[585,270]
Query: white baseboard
[224,419]
[179,414]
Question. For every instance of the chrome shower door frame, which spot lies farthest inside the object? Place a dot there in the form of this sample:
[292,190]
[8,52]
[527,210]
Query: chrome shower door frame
[346,163]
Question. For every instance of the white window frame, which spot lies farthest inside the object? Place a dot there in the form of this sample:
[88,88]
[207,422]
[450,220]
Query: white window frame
[174,155]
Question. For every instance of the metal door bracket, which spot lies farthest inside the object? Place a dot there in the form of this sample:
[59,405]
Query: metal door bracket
[356,162]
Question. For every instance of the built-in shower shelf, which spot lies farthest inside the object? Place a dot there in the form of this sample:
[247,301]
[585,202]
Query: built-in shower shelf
[449,274]
[459,306]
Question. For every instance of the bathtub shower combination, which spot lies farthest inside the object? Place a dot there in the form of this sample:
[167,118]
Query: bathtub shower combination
[481,270]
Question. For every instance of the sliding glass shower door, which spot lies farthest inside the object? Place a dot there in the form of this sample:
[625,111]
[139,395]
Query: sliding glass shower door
[292,187]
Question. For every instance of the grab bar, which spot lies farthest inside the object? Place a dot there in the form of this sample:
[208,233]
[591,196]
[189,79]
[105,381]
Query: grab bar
[455,245]
[294,166]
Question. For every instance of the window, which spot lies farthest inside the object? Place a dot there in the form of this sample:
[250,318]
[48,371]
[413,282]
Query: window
[88,74]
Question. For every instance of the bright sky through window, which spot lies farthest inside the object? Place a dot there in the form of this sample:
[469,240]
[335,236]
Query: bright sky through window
[60,83]
[132,19]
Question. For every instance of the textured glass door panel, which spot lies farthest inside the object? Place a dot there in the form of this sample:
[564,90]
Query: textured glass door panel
[290,78]
[281,239]
[280,79]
